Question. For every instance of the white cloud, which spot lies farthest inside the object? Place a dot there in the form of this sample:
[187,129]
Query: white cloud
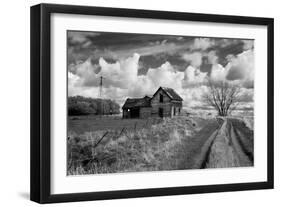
[88,73]
[212,57]
[239,70]
[202,43]
[218,73]
[75,87]
[193,77]
[248,44]
[72,83]
[85,73]
[122,80]
[242,68]
[195,58]
[122,74]
[80,37]
[192,97]
[164,76]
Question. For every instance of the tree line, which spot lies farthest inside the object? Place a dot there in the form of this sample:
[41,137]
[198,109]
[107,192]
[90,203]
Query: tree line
[79,105]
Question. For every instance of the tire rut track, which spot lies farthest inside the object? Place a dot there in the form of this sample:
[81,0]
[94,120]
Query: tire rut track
[200,159]
[246,150]
[243,155]
[227,147]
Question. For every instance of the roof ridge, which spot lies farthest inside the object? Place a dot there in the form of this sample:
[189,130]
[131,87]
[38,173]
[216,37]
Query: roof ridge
[174,94]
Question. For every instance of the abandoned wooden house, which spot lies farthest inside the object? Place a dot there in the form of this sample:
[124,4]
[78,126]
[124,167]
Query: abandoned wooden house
[164,103]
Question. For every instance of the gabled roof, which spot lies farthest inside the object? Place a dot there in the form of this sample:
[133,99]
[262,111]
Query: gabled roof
[171,93]
[145,101]
[137,102]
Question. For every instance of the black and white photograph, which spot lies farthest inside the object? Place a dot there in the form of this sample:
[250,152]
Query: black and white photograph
[133,103]
[150,102]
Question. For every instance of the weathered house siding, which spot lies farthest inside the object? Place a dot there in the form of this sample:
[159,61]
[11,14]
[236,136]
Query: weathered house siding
[164,103]
[145,112]
[139,112]
[157,106]
[175,108]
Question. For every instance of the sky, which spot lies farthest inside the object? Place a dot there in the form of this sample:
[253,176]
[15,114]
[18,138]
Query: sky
[135,65]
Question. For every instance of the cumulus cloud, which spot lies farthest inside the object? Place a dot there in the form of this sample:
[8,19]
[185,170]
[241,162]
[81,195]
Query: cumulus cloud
[72,83]
[218,73]
[241,68]
[165,76]
[193,96]
[121,74]
[248,44]
[212,57]
[135,70]
[86,71]
[122,78]
[77,37]
[195,59]
[193,77]
[75,87]
[202,43]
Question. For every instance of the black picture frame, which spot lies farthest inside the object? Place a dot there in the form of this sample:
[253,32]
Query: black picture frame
[41,98]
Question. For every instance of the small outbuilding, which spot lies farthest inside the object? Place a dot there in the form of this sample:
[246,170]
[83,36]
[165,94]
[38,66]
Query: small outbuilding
[164,103]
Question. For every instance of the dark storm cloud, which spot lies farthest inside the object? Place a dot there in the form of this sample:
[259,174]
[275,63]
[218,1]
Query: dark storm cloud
[118,40]
[110,39]
[155,61]
[225,47]
[113,46]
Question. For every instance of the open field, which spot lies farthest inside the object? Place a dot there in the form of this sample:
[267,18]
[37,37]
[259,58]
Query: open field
[112,144]
[82,124]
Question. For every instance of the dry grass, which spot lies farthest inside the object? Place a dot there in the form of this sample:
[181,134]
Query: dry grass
[155,147]
[222,153]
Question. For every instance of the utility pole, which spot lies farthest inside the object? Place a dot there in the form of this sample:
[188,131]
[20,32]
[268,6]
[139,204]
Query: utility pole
[100,96]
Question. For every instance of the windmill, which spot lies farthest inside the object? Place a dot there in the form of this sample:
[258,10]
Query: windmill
[101,95]
[100,87]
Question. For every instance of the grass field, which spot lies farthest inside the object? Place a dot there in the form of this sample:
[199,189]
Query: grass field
[112,144]
[82,124]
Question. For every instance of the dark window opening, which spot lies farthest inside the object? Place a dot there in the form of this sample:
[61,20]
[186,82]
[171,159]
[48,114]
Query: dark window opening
[161,98]
[174,110]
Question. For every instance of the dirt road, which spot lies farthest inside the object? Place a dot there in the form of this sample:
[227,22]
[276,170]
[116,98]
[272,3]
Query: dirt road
[229,143]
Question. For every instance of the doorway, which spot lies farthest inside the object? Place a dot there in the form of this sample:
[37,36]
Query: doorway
[160,112]
[135,113]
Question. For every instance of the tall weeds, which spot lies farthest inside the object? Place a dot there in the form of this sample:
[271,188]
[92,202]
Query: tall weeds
[154,147]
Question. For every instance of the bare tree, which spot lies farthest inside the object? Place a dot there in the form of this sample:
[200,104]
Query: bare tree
[223,96]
